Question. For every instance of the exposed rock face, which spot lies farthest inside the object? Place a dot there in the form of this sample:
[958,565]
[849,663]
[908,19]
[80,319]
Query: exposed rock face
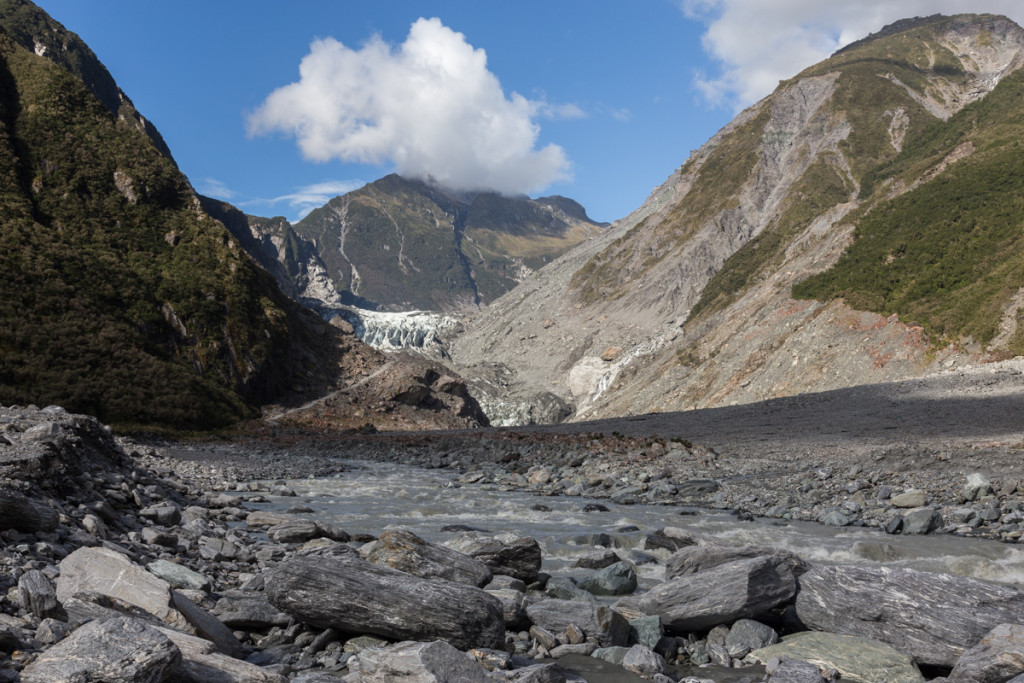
[695,285]
[934,618]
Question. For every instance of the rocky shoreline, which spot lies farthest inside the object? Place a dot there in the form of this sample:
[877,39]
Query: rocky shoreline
[118,551]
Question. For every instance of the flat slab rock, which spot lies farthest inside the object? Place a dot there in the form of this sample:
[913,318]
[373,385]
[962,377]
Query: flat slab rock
[338,589]
[934,618]
[121,650]
[860,660]
[413,662]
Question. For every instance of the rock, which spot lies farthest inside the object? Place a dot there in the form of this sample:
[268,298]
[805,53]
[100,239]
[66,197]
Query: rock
[921,521]
[998,657]
[551,672]
[200,664]
[744,588]
[9,641]
[112,650]
[642,661]
[164,514]
[155,536]
[179,576]
[340,590]
[104,571]
[51,631]
[598,559]
[598,622]
[545,638]
[407,552]
[697,558]
[416,663]
[914,498]
[795,671]
[249,611]
[978,486]
[612,655]
[38,595]
[856,659]
[509,554]
[616,579]
[646,631]
[24,514]
[294,531]
[207,626]
[933,617]
[564,588]
[513,609]
[582,649]
[836,517]
[746,635]
[260,518]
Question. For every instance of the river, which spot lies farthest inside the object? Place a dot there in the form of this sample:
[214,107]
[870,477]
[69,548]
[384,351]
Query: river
[372,497]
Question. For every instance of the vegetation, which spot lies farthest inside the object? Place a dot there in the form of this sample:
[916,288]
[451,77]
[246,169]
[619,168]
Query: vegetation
[948,254]
[118,296]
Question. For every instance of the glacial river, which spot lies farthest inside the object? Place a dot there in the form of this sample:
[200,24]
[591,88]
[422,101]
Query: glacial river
[373,497]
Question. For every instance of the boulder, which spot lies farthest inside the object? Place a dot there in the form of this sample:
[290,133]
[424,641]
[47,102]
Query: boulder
[338,589]
[746,635]
[697,558]
[914,498]
[998,657]
[407,552]
[598,622]
[598,559]
[38,595]
[934,618]
[977,486]
[616,579]
[921,521]
[112,650]
[24,514]
[509,554]
[642,661]
[856,659]
[104,571]
[731,591]
[411,662]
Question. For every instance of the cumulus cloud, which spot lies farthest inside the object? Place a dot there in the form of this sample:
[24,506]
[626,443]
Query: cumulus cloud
[429,106]
[757,43]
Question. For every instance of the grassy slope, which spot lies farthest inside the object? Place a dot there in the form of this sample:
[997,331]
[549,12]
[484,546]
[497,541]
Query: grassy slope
[950,253]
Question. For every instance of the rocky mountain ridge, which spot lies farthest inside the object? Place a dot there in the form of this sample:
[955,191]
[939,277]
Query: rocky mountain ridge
[402,245]
[687,303]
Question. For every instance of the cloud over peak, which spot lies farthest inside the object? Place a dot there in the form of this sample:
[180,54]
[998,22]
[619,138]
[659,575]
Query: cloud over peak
[757,43]
[429,106]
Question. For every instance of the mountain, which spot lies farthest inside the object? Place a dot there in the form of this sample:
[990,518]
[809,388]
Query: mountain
[398,244]
[122,298]
[860,224]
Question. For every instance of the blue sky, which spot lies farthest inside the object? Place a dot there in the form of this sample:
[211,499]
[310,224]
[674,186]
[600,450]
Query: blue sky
[597,100]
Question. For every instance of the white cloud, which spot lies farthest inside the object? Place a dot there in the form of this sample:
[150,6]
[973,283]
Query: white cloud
[757,43]
[429,106]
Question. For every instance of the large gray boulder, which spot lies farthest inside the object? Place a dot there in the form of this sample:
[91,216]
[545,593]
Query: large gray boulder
[735,590]
[508,554]
[934,618]
[340,590]
[856,659]
[410,662]
[697,558]
[407,552]
[616,579]
[598,622]
[106,572]
[997,658]
[121,650]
